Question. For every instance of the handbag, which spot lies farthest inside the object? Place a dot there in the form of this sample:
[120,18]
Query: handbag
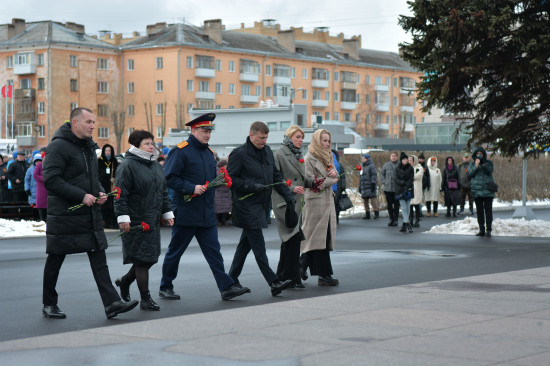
[493,187]
[291,217]
[453,184]
[345,202]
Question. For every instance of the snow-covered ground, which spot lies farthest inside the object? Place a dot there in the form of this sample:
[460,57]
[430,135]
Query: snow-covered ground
[467,226]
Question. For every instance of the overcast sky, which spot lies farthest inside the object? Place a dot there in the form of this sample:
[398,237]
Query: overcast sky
[375,21]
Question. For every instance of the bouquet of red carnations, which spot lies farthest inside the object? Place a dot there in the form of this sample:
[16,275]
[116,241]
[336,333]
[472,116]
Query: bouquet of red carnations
[222,179]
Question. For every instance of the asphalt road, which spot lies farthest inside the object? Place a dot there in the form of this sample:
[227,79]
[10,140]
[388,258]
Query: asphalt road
[368,255]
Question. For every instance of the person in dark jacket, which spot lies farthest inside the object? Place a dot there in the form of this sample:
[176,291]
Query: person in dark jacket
[367,186]
[4,193]
[188,167]
[222,199]
[450,184]
[143,199]
[404,189]
[253,170]
[465,186]
[16,174]
[70,176]
[483,189]
[387,177]
[107,166]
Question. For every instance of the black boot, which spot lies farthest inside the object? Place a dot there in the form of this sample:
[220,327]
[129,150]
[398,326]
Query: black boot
[454,211]
[376,215]
[488,233]
[403,228]
[448,214]
[124,286]
[409,227]
[367,216]
[147,302]
[417,219]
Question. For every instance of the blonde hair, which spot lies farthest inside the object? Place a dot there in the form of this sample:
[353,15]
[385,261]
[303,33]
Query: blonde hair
[292,130]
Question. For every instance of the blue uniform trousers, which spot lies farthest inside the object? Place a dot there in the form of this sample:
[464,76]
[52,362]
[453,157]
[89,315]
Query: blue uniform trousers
[252,239]
[207,238]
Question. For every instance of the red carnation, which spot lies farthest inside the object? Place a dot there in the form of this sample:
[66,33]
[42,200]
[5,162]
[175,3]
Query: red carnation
[288,182]
[301,161]
[117,196]
[358,168]
[145,226]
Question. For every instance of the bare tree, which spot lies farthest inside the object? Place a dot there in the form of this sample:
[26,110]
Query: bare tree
[119,123]
[180,115]
[149,116]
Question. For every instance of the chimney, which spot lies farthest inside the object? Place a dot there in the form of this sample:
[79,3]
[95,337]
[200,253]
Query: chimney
[287,40]
[78,28]
[351,47]
[19,25]
[9,31]
[155,28]
[213,29]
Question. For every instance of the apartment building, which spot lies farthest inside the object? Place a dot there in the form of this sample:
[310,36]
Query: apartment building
[154,81]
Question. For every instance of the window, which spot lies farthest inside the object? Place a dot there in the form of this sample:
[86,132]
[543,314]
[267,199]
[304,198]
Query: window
[159,132]
[327,96]
[25,83]
[336,96]
[218,106]
[293,72]
[189,107]
[357,98]
[9,62]
[103,132]
[245,90]
[40,59]
[320,74]
[368,99]
[304,73]
[387,119]
[387,80]
[74,106]
[23,58]
[41,131]
[327,115]
[73,61]
[258,91]
[304,94]
[378,80]
[130,130]
[102,110]
[74,85]
[268,92]
[160,87]
[232,89]
[358,117]
[268,70]
[204,86]
[395,102]
[41,84]
[102,87]
[218,88]
[24,129]
[285,125]
[231,107]
[131,110]
[395,82]
[218,65]
[159,62]
[347,117]
[367,119]
[357,78]
[367,79]
[272,126]
[130,87]
[378,118]
[102,64]
[189,85]
[130,64]
[336,76]
[190,62]
[160,109]
[336,116]
[231,66]
[395,120]
[41,107]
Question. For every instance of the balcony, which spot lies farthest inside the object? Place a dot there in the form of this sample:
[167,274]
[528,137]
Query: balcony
[24,63]
[205,95]
[282,101]
[249,99]
[382,126]
[349,85]
[281,80]
[249,77]
[319,103]
[403,90]
[382,88]
[348,106]
[381,107]
[25,93]
[26,140]
[205,73]
[406,109]
[409,127]
[319,83]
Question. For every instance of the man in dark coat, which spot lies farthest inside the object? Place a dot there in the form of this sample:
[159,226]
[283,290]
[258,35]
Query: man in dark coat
[16,174]
[188,167]
[253,171]
[70,176]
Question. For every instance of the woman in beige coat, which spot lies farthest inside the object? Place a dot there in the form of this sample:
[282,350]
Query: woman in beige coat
[290,162]
[417,182]
[319,216]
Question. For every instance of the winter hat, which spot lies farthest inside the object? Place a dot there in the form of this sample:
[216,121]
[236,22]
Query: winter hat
[222,162]
[37,156]
[466,155]
[403,156]
[421,156]
[366,156]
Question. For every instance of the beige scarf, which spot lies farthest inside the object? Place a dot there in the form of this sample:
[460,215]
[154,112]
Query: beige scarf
[315,149]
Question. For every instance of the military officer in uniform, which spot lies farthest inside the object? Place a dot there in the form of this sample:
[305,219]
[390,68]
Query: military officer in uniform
[188,167]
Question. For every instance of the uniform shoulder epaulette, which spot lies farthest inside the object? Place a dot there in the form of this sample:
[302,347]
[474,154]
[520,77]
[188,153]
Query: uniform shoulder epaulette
[182,144]
[213,152]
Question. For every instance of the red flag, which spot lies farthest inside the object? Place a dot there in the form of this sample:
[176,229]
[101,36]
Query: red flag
[9,91]
[4,91]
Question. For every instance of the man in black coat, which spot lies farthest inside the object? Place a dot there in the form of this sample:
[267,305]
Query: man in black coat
[70,176]
[16,174]
[252,168]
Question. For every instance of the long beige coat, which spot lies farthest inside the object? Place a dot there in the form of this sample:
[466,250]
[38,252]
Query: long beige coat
[318,209]
[433,193]
[417,182]
[291,169]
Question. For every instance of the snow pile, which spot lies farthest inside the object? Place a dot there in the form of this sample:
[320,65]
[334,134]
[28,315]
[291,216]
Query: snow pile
[23,228]
[501,227]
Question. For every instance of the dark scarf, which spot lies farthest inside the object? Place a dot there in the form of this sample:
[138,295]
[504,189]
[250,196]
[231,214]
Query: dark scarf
[293,149]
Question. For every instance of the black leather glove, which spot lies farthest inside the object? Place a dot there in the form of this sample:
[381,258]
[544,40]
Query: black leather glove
[28,192]
[373,187]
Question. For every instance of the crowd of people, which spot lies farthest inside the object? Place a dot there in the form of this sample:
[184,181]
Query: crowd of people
[85,189]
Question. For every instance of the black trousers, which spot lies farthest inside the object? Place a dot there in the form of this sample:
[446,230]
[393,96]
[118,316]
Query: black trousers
[252,239]
[484,207]
[100,270]
[289,259]
[318,261]
[393,205]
